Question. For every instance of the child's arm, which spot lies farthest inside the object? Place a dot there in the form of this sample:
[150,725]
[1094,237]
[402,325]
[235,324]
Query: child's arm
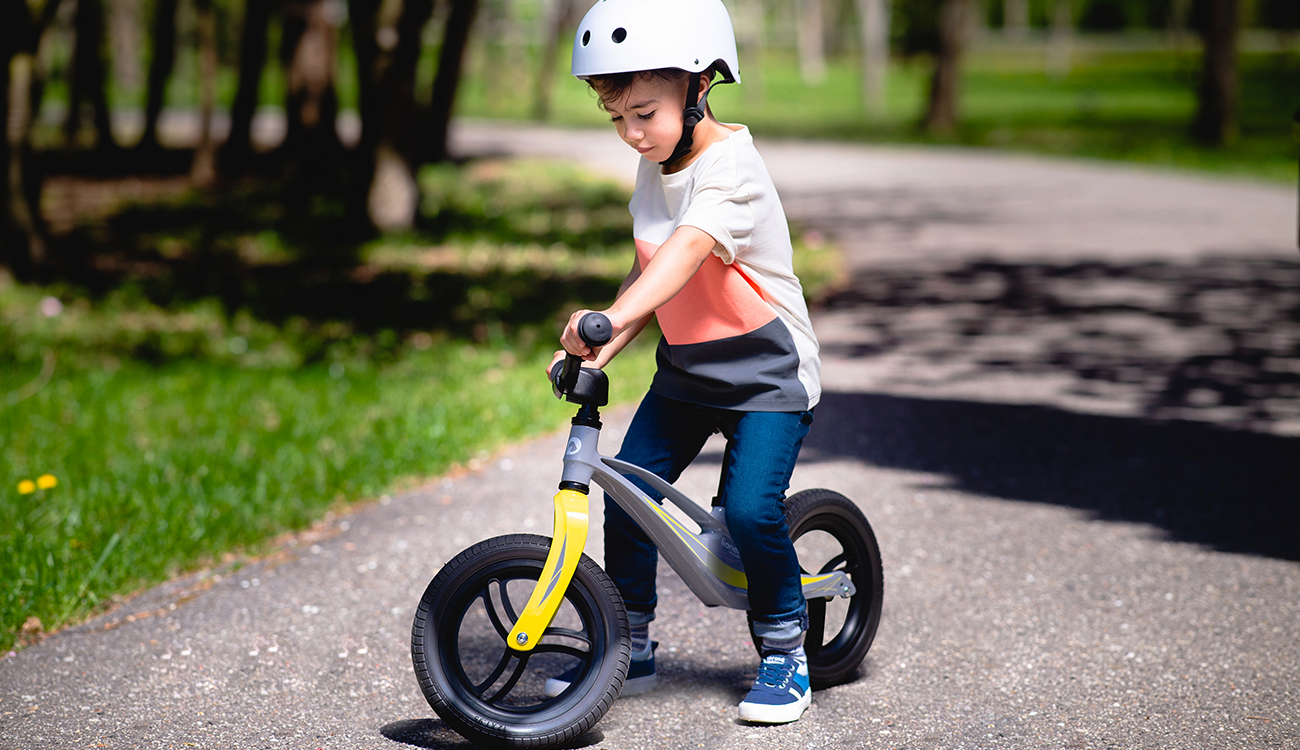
[625,337]
[673,264]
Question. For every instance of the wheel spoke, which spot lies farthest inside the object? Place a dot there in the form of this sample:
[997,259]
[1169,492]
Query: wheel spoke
[831,563]
[577,635]
[486,596]
[505,602]
[514,679]
[482,687]
[557,648]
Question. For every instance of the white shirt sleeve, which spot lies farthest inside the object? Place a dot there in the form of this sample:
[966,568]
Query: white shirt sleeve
[722,205]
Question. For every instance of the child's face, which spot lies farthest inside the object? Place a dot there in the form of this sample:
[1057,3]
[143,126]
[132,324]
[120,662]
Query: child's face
[649,116]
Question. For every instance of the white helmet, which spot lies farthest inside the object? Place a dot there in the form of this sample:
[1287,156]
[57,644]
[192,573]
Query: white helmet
[625,36]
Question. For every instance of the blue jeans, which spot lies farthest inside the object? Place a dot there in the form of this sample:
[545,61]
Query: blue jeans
[665,436]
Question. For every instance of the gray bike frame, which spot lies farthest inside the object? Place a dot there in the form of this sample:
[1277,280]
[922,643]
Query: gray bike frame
[684,549]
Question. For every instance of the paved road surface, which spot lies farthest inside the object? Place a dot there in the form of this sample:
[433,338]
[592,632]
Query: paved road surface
[1066,394]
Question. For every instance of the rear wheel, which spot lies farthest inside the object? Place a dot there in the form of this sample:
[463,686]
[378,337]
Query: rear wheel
[830,533]
[493,694]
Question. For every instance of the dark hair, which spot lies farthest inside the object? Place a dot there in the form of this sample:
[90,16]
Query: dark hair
[615,85]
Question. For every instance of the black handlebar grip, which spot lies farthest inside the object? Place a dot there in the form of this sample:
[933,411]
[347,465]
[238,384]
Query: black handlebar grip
[595,329]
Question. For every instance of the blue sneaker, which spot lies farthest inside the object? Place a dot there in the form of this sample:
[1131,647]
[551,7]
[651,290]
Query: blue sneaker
[781,692]
[640,675]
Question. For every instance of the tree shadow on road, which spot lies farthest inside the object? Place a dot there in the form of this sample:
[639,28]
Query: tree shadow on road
[1208,352]
[1228,489]
[1217,339]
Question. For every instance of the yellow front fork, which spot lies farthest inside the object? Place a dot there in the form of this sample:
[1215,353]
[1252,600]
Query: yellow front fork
[567,544]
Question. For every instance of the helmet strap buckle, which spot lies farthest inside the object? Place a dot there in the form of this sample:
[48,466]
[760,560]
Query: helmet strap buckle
[692,115]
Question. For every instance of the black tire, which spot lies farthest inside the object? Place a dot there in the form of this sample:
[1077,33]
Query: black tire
[831,533]
[484,690]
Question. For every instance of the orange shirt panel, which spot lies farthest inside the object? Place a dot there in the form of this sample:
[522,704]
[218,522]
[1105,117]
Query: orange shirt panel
[717,303]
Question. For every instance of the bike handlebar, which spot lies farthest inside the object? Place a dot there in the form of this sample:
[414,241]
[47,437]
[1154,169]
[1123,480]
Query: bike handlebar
[595,329]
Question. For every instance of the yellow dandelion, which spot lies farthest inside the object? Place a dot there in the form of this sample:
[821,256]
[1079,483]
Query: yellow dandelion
[26,487]
[47,482]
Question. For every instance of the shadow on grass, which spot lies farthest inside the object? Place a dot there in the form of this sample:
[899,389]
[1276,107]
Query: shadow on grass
[1206,353]
[254,252]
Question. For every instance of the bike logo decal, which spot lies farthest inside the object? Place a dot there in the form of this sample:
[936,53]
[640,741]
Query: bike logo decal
[575,445]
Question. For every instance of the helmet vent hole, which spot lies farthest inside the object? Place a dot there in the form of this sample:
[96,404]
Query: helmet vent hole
[586,38]
[619,35]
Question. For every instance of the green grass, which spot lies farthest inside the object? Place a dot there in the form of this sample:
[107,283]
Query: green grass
[164,468]
[1114,103]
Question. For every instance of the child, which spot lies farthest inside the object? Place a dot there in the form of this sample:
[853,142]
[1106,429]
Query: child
[738,354]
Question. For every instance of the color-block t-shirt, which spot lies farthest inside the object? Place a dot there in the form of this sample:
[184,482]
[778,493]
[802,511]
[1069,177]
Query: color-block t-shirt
[738,335]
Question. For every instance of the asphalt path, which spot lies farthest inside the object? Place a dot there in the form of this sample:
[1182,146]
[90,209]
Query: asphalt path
[1067,395]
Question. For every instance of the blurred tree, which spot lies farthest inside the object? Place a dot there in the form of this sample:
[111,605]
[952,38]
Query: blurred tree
[22,232]
[451,61]
[307,53]
[387,35]
[936,29]
[161,61]
[1105,16]
[1061,39]
[873,25]
[811,41]
[945,82]
[1015,17]
[1215,123]
[562,17]
[750,23]
[238,147]
[1281,15]
[204,169]
[502,50]
[89,83]
[126,30]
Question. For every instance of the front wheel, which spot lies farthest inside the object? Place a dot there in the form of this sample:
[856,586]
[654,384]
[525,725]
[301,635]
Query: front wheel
[492,694]
[830,533]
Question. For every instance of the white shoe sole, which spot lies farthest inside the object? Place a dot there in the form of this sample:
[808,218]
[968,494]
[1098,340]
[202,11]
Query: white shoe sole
[761,713]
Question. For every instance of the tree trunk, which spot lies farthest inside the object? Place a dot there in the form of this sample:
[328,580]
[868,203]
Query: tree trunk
[451,60]
[1179,12]
[161,62]
[560,20]
[812,42]
[1015,18]
[502,46]
[126,20]
[750,23]
[308,55]
[1216,113]
[1060,42]
[89,84]
[387,55]
[873,24]
[252,61]
[945,82]
[204,168]
[22,236]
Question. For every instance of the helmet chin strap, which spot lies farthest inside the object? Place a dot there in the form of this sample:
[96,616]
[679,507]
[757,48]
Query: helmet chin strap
[693,115]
